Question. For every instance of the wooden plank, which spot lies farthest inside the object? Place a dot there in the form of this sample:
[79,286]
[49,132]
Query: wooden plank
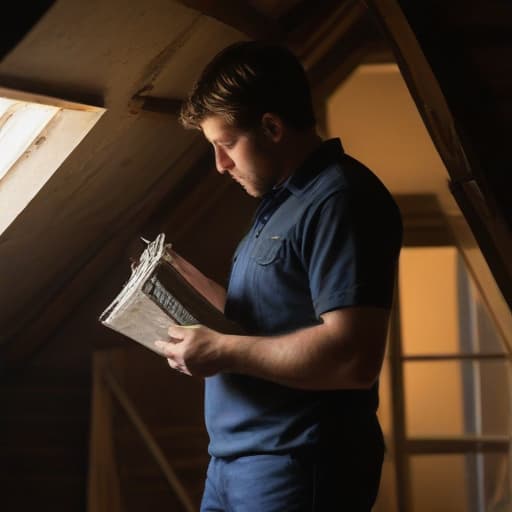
[151,444]
[332,39]
[425,224]
[456,357]
[399,434]
[166,106]
[490,231]
[332,48]
[456,445]
[422,84]
[62,95]
[309,24]
[103,492]
[298,20]
[475,171]
[239,15]
[483,279]
[341,58]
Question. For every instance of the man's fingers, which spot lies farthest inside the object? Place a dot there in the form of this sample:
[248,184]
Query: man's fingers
[172,363]
[178,331]
[175,331]
[166,347]
[179,368]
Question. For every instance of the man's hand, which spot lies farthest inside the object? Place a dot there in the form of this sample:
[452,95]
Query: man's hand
[194,350]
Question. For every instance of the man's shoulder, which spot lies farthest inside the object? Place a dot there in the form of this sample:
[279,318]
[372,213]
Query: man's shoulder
[325,182]
[343,177]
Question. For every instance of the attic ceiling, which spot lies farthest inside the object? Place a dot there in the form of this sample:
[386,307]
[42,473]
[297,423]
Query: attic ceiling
[135,58]
[112,53]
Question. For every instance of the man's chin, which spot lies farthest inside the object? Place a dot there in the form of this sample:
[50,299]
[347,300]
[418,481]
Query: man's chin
[254,193]
[250,190]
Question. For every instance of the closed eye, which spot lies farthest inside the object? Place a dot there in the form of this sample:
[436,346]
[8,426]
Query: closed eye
[228,144]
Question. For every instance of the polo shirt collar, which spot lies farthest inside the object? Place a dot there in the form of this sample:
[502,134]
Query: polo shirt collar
[327,153]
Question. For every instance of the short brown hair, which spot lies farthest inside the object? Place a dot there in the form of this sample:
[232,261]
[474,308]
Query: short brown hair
[246,80]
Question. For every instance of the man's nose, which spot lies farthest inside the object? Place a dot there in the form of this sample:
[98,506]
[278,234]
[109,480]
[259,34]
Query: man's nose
[222,161]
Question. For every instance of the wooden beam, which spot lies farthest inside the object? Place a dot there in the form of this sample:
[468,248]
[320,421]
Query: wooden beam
[318,33]
[458,445]
[241,16]
[378,52]
[341,58]
[479,199]
[424,222]
[54,93]
[149,441]
[492,234]
[422,84]
[103,486]
[165,106]
[310,21]
[398,430]
[482,277]
[456,357]
[331,39]
[355,40]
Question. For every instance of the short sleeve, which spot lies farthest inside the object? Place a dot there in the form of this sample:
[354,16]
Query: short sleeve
[350,250]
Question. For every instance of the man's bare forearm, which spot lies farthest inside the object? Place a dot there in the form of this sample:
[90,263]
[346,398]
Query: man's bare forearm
[314,358]
[344,352]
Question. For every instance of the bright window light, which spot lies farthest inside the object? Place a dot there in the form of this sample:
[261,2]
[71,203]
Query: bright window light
[37,134]
[20,124]
[5,104]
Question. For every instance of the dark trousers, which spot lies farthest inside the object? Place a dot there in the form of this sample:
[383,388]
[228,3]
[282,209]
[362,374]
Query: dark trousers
[331,479]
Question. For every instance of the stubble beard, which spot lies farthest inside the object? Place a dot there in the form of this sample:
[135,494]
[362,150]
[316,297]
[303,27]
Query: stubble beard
[254,188]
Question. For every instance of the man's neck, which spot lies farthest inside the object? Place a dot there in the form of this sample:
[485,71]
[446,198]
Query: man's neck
[299,146]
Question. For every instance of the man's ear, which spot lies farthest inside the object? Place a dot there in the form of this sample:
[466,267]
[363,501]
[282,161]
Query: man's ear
[273,126]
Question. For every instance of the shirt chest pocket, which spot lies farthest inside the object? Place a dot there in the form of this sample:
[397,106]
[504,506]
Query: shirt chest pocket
[269,251]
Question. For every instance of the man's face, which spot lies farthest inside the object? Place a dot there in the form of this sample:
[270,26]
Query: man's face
[246,156]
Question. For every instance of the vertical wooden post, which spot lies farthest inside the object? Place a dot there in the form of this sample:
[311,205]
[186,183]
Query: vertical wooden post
[398,405]
[103,482]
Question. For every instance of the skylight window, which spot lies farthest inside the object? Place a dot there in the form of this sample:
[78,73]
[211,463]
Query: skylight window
[37,134]
[20,125]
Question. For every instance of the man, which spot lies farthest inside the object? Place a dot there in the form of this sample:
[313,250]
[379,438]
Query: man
[290,407]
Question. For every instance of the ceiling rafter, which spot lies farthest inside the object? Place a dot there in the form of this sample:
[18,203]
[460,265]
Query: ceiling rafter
[317,31]
[166,106]
[422,67]
[342,56]
[239,15]
[64,92]
[331,39]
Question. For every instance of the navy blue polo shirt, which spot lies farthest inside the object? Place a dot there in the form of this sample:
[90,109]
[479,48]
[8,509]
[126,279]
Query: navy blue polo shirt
[328,238]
